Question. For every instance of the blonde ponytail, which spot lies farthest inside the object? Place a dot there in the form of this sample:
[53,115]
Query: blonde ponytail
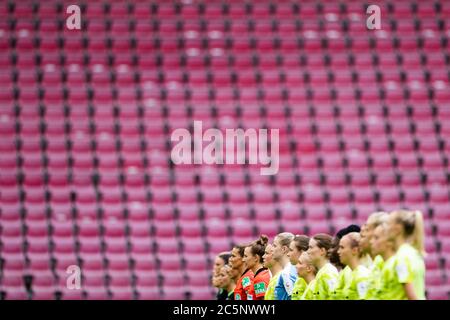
[418,235]
[413,227]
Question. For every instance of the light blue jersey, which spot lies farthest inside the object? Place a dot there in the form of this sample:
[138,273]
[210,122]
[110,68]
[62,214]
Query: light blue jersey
[285,285]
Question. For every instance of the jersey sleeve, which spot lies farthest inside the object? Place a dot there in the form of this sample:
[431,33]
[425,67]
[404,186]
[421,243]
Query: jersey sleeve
[288,283]
[260,287]
[362,281]
[247,285]
[403,270]
[280,291]
[239,291]
[278,287]
[362,287]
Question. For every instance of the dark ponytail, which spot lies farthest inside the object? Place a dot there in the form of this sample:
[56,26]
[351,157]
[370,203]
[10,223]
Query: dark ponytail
[258,247]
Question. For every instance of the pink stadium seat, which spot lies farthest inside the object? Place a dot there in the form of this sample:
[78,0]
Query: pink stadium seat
[170,261]
[242,228]
[443,228]
[318,227]
[199,278]
[148,293]
[43,293]
[174,293]
[217,245]
[122,293]
[96,293]
[69,294]
[168,246]
[191,229]
[15,293]
[430,245]
[196,262]
[439,293]
[201,293]
[434,278]
[445,245]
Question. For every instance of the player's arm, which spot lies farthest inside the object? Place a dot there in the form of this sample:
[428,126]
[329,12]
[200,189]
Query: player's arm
[259,295]
[261,288]
[409,290]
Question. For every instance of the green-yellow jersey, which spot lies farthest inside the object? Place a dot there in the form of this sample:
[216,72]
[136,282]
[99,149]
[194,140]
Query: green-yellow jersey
[299,288]
[367,261]
[377,264]
[375,278]
[344,278]
[309,291]
[406,266]
[410,268]
[270,292]
[358,286]
[326,281]
[390,287]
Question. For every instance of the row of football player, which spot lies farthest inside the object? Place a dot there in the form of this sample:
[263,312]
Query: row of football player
[382,260]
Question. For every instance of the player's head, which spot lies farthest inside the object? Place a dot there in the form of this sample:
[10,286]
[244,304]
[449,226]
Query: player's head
[319,248]
[224,277]
[305,266]
[237,254]
[297,246]
[334,257]
[281,245]
[374,220]
[407,225]
[253,254]
[380,242]
[234,273]
[349,247]
[220,260]
[268,261]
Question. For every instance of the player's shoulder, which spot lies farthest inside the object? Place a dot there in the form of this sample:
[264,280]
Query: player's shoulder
[266,274]
[330,270]
[362,271]
[263,274]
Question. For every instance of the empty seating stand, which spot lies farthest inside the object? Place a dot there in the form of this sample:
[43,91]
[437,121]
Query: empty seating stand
[86,118]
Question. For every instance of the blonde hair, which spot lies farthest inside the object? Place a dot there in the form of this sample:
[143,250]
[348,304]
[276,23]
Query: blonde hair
[308,261]
[413,227]
[384,226]
[284,238]
[377,218]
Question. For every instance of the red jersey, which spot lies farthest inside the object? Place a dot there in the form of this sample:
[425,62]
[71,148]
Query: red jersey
[260,283]
[244,287]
